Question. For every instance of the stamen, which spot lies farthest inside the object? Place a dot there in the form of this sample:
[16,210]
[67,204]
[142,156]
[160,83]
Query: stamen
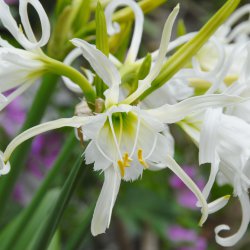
[140,158]
[127,160]
[124,163]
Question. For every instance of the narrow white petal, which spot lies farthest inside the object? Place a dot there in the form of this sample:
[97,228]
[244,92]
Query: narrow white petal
[14,95]
[232,240]
[212,176]
[173,165]
[99,62]
[4,167]
[114,28]
[75,122]
[44,20]
[3,100]
[237,15]
[105,203]
[209,135]
[104,68]
[174,113]
[218,204]
[163,48]
[4,43]
[9,23]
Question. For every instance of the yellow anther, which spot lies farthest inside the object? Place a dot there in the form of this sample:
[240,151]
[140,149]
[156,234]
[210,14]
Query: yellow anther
[141,160]
[122,167]
[126,160]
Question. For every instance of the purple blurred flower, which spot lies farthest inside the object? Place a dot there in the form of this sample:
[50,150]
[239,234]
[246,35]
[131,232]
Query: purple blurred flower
[192,241]
[11,1]
[13,117]
[184,196]
[44,151]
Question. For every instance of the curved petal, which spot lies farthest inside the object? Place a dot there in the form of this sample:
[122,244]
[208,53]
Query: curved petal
[10,24]
[173,165]
[105,203]
[114,28]
[174,113]
[104,68]
[232,240]
[14,95]
[4,167]
[218,204]
[163,48]
[74,121]
[44,20]
[209,135]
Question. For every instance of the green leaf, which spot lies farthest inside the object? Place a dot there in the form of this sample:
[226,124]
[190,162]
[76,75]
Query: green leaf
[26,232]
[101,44]
[36,112]
[55,243]
[77,236]
[187,51]
[46,232]
[145,67]
[83,14]
[29,211]
[181,28]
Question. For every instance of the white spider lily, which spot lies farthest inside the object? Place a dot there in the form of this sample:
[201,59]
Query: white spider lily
[125,140]
[225,143]
[21,67]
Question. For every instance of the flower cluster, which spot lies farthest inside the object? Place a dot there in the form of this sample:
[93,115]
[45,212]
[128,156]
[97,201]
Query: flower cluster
[127,131]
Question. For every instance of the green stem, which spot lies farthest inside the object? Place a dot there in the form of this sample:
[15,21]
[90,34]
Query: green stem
[48,229]
[34,116]
[63,156]
[187,51]
[62,69]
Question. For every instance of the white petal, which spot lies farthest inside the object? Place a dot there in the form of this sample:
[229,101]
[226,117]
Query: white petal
[163,48]
[10,24]
[75,121]
[99,62]
[172,164]
[14,95]
[93,155]
[174,113]
[104,68]
[4,167]
[218,204]
[3,99]
[232,240]
[4,43]
[104,206]
[44,20]
[114,28]
[209,135]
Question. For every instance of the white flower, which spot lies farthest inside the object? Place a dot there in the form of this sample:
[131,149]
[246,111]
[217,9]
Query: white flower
[125,140]
[19,68]
[225,143]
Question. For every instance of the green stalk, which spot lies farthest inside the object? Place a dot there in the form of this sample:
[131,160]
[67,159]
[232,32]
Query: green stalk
[62,69]
[102,44]
[27,215]
[187,51]
[34,116]
[45,234]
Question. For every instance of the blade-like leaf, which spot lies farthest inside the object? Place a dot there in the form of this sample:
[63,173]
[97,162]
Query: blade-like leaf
[28,213]
[46,232]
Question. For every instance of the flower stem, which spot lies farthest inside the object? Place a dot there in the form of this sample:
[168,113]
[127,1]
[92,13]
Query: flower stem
[60,68]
